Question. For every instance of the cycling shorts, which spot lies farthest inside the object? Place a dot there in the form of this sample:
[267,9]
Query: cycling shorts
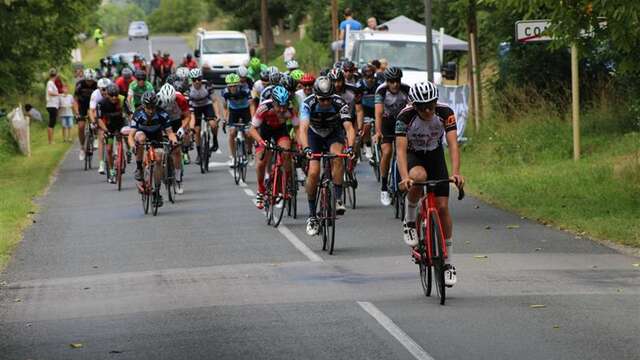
[268,133]
[388,130]
[319,144]
[83,109]
[175,125]
[206,111]
[115,125]
[435,165]
[239,116]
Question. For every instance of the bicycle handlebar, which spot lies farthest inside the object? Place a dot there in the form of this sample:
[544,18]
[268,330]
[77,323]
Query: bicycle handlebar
[440,181]
[328,155]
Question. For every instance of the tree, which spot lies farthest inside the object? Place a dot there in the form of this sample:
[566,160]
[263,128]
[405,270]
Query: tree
[177,15]
[115,18]
[36,35]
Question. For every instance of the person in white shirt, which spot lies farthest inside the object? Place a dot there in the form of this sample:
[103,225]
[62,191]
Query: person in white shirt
[289,52]
[66,113]
[53,102]
[96,96]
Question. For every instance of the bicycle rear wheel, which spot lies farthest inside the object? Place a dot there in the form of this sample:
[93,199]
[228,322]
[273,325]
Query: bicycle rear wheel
[204,152]
[237,159]
[155,194]
[268,202]
[331,216]
[438,258]
[321,201]
[146,188]
[169,177]
[88,147]
[376,161]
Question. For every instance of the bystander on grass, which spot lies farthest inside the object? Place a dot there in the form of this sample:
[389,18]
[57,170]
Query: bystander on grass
[523,162]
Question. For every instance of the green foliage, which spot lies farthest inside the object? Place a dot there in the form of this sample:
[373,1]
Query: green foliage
[246,14]
[114,18]
[177,15]
[36,35]
[146,5]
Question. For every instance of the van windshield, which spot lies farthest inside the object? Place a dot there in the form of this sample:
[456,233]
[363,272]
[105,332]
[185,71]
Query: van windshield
[224,46]
[407,55]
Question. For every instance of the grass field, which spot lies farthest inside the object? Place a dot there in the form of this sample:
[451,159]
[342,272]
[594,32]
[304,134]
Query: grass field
[524,163]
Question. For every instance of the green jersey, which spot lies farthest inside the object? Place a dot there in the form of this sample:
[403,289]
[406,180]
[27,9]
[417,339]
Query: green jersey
[255,75]
[136,91]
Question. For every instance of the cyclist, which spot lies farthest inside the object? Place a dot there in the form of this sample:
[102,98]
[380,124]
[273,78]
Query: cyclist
[368,84]
[167,66]
[96,97]
[139,63]
[84,89]
[111,120]
[238,109]
[306,82]
[150,122]
[189,62]
[274,79]
[201,105]
[351,76]
[324,119]
[391,97]
[176,105]
[291,65]
[348,93]
[137,88]
[256,67]
[124,80]
[270,123]
[245,80]
[419,131]
[259,85]
[181,83]
[156,66]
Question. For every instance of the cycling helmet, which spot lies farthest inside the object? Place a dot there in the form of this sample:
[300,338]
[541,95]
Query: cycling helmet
[288,83]
[232,79]
[307,79]
[274,77]
[348,65]
[113,90]
[242,71]
[297,74]
[103,83]
[171,79]
[264,75]
[89,74]
[127,73]
[140,75]
[323,87]
[195,73]
[182,73]
[255,63]
[167,94]
[280,95]
[368,70]
[336,74]
[273,69]
[292,65]
[423,92]
[337,64]
[149,99]
[392,73]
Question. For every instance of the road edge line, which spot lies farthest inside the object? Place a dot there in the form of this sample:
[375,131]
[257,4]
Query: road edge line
[298,244]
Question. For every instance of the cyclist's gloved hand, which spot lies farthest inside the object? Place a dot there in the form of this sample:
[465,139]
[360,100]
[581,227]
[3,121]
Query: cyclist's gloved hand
[263,143]
[180,133]
[308,153]
[349,151]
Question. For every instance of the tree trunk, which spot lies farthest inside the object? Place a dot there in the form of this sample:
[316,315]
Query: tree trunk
[474,63]
[265,31]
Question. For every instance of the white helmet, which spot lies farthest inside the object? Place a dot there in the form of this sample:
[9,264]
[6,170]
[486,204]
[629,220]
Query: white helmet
[182,73]
[167,94]
[423,92]
[292,65]
[242,71]
[195,73]
[103,83]
[89,74]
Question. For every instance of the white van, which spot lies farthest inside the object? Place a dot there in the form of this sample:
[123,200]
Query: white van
[222,51]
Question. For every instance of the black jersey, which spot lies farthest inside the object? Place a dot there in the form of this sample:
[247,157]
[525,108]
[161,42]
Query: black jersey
[368,97]
[324,120]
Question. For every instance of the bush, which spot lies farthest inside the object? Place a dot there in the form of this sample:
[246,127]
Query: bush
[114,18]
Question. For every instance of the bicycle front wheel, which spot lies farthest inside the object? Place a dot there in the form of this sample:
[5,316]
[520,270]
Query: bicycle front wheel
[331,216]
[204,152]
[350,190]
[146,188]
[438,258]
[169,179]
[119,165]
[424,267]
[237,161]
[279,196]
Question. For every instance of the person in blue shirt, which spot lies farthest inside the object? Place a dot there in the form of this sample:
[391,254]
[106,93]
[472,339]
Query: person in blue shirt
[348,22]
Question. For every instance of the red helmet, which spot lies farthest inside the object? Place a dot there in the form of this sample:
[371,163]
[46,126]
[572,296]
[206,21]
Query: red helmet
[307,79]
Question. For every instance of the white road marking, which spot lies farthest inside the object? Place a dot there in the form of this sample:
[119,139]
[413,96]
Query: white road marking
[293,239]
[416,350]
[249,192]
[219,164]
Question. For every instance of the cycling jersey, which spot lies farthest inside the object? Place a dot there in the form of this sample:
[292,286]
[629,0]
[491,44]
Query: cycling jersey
[267,115]
[84,89]
[324,120]
[425,135]
[199,97]
[258,86]
[300,96]
[112,113]
[152,126]
[393,103]
[352,96]
[265,94]
[238,100]
[368,97]
[136,92]
[123,84]
[177,108]
[182,86]
[96,97]
[190,64]
[255,75]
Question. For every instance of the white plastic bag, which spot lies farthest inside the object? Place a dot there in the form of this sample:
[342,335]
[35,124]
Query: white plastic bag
[20,130]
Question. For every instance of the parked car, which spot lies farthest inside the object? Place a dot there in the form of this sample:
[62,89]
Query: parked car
[138,29]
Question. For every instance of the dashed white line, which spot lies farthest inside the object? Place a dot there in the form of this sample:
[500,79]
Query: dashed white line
[416,350]
[293,239]
[249,192]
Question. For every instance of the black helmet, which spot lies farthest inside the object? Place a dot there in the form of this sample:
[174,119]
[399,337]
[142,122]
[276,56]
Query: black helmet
[348,65]
[368,70]
[393,73]
[338,64]
[274,78]
[171,79]
[323,87]
[113,90]
[288,83]
[264,75]
[140,75]
[336,74]
[149,99]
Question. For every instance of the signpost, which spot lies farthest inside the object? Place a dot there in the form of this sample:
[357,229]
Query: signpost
[528,31]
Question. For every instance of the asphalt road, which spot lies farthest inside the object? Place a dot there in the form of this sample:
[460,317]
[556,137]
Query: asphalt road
[208,279]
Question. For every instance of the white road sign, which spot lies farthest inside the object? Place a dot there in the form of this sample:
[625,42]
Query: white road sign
[532,30]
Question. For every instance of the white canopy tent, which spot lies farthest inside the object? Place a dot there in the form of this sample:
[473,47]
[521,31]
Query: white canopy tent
[403,24]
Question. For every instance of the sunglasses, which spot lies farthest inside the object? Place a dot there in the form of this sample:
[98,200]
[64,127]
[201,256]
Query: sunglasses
[307,85]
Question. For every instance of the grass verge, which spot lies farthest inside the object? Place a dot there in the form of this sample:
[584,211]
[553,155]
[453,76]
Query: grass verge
[526,166]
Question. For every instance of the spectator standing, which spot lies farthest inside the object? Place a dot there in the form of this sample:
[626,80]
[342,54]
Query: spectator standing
[289,52]
[349,23]
[66,113]
[53,102]
[372,24]
[33,113]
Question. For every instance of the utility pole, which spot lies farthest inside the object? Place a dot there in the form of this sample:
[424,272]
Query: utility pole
[427,24]
[474,65]
[575,102]
[334,26]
